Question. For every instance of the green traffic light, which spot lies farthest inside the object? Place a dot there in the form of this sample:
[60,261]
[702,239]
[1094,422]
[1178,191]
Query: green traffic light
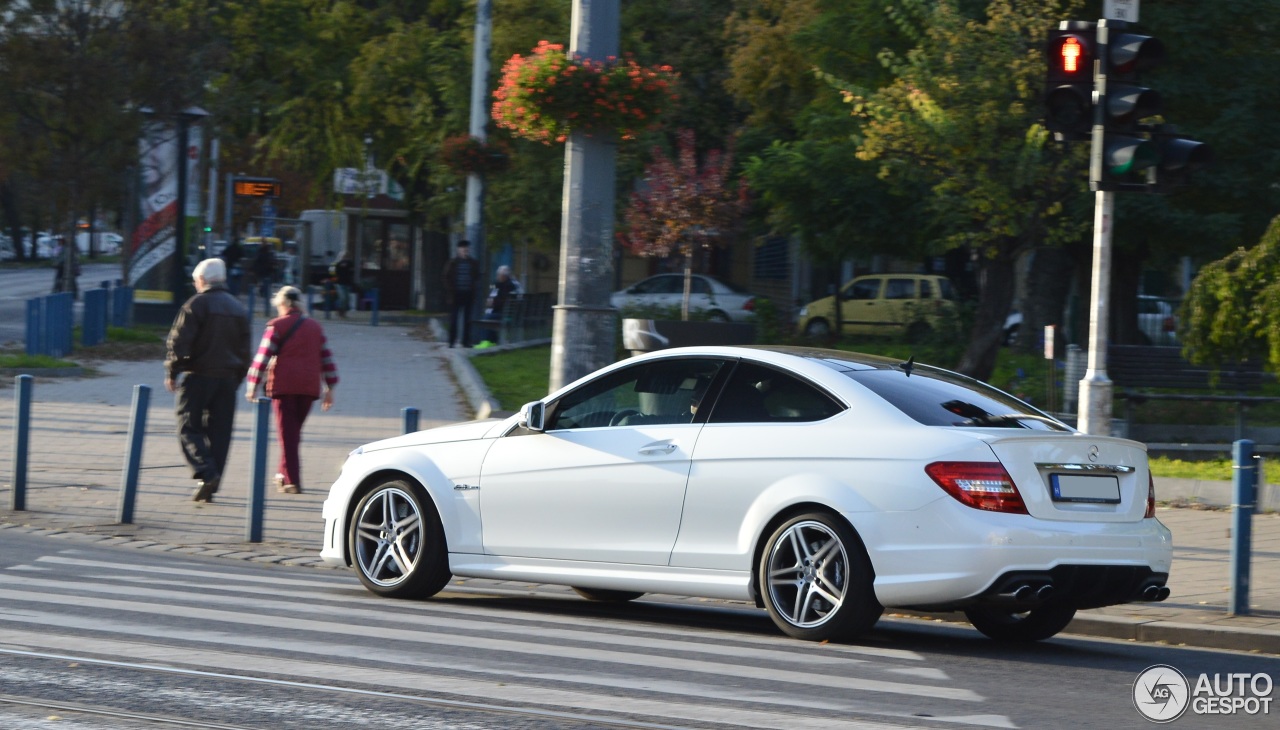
[1128,155]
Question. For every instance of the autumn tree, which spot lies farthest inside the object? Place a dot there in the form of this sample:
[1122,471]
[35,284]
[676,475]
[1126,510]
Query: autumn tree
[683,206]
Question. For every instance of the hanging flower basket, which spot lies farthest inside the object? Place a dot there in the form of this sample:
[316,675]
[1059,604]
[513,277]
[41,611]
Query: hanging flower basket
[464,154]
[546,95]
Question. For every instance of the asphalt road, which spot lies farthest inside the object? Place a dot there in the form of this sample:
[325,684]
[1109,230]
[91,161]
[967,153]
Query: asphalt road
[108,636]
[17,285]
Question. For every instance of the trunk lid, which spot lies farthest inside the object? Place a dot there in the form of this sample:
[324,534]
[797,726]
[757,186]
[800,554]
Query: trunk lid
[1074,477]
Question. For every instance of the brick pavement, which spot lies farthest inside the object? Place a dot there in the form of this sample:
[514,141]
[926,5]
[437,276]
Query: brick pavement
[79,439]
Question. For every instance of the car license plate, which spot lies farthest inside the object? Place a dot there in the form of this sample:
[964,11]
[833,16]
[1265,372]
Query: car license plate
[1078,488]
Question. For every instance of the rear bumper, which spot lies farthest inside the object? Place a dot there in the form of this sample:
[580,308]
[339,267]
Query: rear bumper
[949,555]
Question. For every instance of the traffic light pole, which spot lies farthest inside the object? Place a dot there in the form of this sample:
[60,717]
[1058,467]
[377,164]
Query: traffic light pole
[1096,388]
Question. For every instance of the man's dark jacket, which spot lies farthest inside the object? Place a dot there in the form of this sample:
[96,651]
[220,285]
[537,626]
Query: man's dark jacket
[210,337]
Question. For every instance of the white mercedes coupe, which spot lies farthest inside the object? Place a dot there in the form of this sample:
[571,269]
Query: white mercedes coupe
[822,485]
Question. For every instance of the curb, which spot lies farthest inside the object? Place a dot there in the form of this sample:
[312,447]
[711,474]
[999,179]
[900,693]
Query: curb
[473,388]
[1147,631]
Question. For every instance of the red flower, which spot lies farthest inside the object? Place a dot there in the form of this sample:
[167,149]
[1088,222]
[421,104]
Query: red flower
[609,97]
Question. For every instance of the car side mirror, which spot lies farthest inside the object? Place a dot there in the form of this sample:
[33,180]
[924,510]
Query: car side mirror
[531,415]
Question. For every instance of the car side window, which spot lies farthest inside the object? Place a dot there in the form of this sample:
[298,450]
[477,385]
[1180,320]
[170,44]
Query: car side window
[760,394]
[900,289]
[865,289]
[651,393]
[697,286]
[648,286]
[926,289]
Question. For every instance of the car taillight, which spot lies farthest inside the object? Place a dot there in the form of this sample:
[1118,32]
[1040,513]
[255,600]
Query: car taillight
[979,484]
[1151,496]
[749,305]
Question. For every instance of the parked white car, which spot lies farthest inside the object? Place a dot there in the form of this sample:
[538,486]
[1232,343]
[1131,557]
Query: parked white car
[823,485]
[1157,320]
[708,296]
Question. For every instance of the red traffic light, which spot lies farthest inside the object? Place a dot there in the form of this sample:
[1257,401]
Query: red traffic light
[1071,54]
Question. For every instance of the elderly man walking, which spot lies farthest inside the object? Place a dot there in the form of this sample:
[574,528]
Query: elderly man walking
[209,341]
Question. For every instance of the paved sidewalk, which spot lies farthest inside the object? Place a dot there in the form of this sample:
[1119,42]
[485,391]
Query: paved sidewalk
[80,431]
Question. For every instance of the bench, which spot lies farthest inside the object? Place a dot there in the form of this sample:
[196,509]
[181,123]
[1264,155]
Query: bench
[1134,369]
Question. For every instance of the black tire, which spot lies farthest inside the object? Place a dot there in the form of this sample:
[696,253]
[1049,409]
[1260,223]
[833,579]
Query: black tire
[816,579]
[1003,624]
[717,316]
[397,542]
[817,328]
[605,595]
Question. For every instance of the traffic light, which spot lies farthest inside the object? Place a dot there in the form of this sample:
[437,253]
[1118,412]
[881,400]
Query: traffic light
[1179,157]
[1128,151]
[1068,98]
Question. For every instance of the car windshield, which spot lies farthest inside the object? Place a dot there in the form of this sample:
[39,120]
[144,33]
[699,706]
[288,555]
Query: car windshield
[941,398]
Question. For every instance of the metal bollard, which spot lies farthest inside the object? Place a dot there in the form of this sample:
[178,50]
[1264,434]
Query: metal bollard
[1244,469]
[373,305]
[133,459]
[409,416]
[21,441]
[257,480]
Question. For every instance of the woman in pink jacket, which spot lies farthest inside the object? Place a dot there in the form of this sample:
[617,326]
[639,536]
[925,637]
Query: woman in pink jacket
[296,360]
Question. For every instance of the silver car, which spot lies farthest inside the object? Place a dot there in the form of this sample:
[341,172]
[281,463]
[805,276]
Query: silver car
[708,297]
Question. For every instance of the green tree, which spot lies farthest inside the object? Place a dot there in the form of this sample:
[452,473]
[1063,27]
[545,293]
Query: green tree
[1232,312]
[961,117]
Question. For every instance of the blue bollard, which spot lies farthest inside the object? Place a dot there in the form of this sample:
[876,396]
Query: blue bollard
[1244,469]
[133,460]
[35,326]
[21,441]
[93,328]
[58,324]
[257,480]
[373,305]
[409,416]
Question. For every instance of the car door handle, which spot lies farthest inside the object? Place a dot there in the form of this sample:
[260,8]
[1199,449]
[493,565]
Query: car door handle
[664,447]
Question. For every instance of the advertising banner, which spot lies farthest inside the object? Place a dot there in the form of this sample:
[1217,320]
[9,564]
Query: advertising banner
[155,239]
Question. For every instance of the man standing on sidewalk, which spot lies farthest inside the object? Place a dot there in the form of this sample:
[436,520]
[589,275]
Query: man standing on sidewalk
[461,275]
[209,342]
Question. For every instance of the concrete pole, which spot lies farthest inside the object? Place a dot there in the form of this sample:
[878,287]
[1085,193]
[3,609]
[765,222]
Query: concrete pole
[211,209]
[1096,388]
[584,324]
[479,118]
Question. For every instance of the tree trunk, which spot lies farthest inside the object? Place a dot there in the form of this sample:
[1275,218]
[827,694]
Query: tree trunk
[1048,283]
[995,296]
[10,209]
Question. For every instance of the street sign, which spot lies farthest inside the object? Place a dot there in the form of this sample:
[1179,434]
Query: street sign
[269,218]
[1126,10]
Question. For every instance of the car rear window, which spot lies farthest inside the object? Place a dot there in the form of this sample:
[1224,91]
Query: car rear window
[940,398]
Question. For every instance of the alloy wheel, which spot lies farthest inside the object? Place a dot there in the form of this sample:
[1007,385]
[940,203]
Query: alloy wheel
[389,537]
[807,574]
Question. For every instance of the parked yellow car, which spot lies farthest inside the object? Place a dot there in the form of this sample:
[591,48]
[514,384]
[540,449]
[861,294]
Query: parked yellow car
[879,304]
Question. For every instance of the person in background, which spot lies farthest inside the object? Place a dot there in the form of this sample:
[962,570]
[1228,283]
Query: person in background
[264,270]
[461,276]
[232,255]
[294,358]
[344,273]
[209,341]
[504,289]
